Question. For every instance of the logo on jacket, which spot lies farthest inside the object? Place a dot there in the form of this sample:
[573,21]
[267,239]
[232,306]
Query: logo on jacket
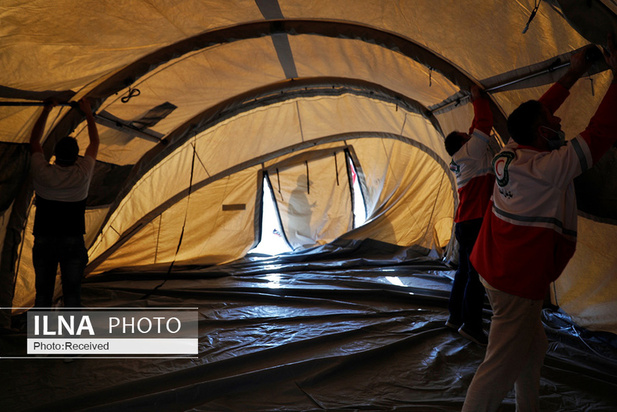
[501,162]
[455,167]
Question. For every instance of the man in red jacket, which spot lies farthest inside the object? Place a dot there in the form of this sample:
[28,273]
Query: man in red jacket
[529,233]
[471,163]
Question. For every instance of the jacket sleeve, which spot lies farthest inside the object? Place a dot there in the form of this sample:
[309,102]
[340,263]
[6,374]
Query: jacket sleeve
[601,132]
[554,97]
[482,116]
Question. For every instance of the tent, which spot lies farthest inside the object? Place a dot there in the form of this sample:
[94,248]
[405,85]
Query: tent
[204,107]
[196,101]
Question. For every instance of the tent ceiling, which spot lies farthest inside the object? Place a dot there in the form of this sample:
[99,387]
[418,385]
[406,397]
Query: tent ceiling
[249,82]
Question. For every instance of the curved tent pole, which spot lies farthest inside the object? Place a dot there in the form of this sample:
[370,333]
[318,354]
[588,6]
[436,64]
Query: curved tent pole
[337,29]
[128,234]
[328,28]
[291,27]
[270,94]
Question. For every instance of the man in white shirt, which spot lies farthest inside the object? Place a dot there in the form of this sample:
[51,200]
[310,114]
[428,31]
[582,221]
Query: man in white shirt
[472,154]
[61,190]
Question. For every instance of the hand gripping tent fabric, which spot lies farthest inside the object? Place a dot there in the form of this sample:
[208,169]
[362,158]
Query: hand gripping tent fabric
[198,103]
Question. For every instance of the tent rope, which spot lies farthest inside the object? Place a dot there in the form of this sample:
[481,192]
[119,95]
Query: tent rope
[531,17]
[308,181]
[336,169]
[278,179]
[133,92]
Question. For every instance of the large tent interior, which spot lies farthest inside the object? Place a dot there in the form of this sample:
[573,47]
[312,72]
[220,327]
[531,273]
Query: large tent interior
[279,165]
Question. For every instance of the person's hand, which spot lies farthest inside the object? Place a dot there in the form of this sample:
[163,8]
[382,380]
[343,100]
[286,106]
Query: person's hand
[610,54]
[579,63]
[49,104]
[84,105]
[476,92]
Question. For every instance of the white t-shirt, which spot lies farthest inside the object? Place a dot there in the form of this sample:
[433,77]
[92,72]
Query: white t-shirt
[62,183]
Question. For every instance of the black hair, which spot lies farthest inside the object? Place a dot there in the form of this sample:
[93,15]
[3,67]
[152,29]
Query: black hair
[453,142]
[524,121]
[66,151]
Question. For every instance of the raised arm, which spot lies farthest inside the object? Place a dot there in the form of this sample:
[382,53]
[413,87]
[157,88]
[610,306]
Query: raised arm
[601,133]
[483,117]
[93,133]
[39,127]
[579,64]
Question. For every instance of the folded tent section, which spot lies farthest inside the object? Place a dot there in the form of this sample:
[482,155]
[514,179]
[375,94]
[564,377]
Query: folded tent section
[197,102]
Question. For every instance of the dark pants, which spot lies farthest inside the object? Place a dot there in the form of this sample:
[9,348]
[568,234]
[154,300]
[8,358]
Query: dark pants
[467,295]
[70,253]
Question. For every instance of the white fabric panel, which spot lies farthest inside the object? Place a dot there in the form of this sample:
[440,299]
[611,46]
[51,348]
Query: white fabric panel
[458,119]
[421,131]
[20,120]
[251,135]
[442,233]
[141,250]
[116,147]
[71,58]
[192,82]
[157,186]
[324,116]
[314,205]
[121,32]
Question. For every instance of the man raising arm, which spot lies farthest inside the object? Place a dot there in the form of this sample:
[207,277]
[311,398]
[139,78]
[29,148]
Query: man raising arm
[61,190]
[529,233]
[471,163]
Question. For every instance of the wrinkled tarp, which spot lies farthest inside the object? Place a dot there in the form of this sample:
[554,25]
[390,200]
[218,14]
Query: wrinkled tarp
[287,334]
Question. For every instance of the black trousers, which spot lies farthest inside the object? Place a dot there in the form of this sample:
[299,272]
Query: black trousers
[467,295]
[70,253]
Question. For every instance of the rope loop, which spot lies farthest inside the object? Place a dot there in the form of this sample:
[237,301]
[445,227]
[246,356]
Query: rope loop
[131,93]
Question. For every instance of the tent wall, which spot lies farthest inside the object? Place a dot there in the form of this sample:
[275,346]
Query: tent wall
[200,229]
[294,124]
[253,83]
[587,287]
[309,190]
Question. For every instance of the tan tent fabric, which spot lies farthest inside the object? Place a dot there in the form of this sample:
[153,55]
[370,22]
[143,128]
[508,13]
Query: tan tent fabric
[197,99]
[301,188]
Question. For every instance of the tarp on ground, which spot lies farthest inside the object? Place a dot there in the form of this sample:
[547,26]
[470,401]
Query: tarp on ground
[198,100]
[348,333]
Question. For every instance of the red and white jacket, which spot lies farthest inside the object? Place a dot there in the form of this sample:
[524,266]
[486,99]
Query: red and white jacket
[472,166]
[529,233]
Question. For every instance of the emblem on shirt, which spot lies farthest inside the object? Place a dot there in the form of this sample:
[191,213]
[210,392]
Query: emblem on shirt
[455,167]
[501,162]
